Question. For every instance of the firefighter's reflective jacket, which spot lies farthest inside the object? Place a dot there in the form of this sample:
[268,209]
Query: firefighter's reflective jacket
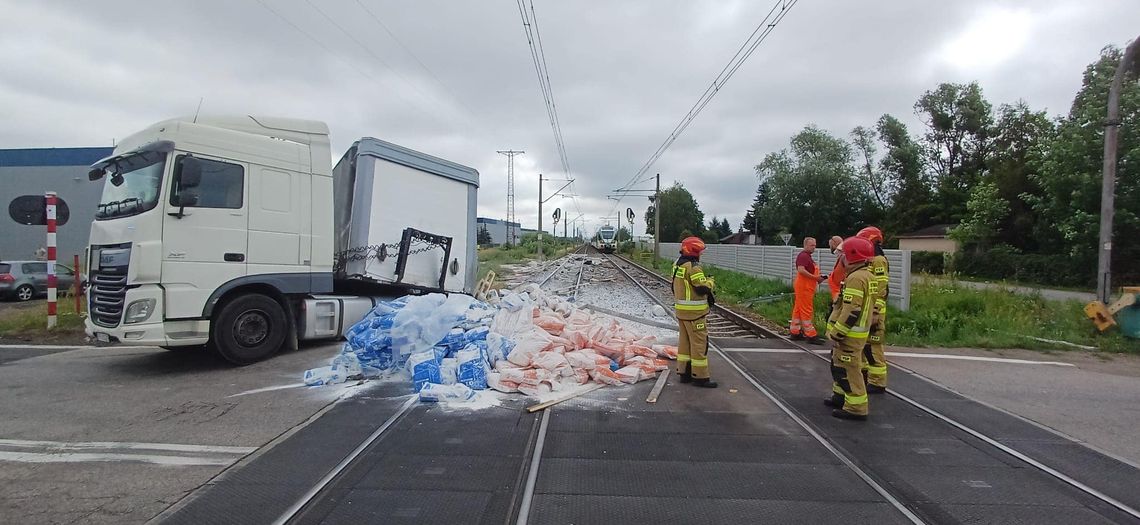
[850,321]
[880,270]
[690,289]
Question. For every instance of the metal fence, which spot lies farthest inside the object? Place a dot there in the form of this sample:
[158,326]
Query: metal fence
[777,262]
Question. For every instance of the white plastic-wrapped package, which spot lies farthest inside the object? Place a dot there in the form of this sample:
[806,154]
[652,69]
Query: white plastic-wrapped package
[628,374]
[552,362]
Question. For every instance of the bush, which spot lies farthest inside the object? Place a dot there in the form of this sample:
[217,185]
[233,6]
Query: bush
[1005,262]
[928,262]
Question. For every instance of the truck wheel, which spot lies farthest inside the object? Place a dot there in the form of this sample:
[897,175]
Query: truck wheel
[248,329]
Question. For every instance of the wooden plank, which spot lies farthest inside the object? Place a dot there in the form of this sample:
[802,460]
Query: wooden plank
[572,395]
[653,394]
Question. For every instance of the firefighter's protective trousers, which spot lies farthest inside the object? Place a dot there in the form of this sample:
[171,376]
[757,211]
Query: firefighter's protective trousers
[848,328]
[690,295]
[875,361]
[804,307]
[693,347]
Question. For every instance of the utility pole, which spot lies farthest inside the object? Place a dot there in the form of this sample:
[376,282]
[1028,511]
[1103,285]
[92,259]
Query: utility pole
[657,220]
[540,201]
[540,217]
[512,236]
[1108,189]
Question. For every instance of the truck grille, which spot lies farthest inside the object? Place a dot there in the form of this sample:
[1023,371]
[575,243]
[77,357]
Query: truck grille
[107,294]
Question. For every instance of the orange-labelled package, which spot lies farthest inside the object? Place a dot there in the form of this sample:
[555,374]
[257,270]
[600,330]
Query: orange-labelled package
[551,361]
[582,359]
[643,351]
[629,374]
[552,323]
[666,351]
[603,374]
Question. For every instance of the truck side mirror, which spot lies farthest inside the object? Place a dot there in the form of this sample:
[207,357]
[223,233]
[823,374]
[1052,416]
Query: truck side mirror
[96,174]
[190,173]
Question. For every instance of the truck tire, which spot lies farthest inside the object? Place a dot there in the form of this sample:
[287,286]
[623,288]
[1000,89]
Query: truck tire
[248,329]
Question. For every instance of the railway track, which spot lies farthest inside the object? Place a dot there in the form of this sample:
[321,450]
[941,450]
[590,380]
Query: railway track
[654,285]
[308,508]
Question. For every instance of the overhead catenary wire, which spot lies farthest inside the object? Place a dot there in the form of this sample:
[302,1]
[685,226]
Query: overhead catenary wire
[779,10]
[342,60]
[380,22]
[538,57]
[372,54]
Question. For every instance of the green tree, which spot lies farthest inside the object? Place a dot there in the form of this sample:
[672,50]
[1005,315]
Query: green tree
[767,231]
[985,212]
[483,238]
[959,124]
[902,167]
[812,187]
[1070,174]
[679,214]
[719,228]
[1020,138]
[877,185]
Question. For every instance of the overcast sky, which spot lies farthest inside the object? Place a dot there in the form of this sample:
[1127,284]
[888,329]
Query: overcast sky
[455,79]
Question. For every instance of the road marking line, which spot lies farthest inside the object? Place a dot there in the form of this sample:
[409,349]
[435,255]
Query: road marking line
[81,457]
[909,354]
[268,389]
[173,447]
[44,347]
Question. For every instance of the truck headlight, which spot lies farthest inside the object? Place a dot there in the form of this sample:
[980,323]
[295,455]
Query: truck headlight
[139,311]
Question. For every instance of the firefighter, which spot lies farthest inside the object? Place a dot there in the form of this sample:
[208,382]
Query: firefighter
[848,328]
[806,281]
[692,294]
[875,362]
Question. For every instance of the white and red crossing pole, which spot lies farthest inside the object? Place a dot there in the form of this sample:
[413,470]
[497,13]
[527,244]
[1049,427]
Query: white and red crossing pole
[49,206]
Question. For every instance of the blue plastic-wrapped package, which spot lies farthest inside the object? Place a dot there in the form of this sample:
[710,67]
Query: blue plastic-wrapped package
[472,367]
[424,369]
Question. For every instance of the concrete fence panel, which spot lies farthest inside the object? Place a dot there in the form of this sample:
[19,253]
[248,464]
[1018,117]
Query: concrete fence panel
[778,262]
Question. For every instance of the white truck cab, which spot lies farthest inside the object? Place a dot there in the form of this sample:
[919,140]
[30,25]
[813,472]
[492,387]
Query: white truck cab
[220,230]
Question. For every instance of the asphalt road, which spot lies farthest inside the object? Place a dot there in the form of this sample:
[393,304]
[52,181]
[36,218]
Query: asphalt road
[1094,401]
[116,435]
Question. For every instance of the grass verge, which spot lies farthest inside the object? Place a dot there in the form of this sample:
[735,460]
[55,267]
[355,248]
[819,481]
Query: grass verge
[940,315]
[27,322]
[494,259]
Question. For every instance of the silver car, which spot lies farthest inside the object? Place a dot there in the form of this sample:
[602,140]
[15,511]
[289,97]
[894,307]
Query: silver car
[25,280]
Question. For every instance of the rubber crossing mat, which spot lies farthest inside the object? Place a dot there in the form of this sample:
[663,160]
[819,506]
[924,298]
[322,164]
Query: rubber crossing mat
[696,456]
[947,475]
[261,489]
[436,465]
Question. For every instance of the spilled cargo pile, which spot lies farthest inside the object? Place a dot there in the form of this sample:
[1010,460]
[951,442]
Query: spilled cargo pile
[451,347]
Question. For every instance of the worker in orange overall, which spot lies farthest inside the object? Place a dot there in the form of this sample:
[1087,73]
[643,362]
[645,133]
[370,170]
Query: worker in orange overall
[692,297]
[835,278]
[806,281]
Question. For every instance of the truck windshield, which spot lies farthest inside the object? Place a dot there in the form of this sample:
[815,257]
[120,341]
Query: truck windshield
[132,185]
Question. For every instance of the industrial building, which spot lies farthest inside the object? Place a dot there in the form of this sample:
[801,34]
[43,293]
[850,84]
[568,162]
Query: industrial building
[34,171]
[498,229]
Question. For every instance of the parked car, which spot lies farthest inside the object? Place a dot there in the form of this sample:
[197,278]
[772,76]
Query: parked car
[25,280]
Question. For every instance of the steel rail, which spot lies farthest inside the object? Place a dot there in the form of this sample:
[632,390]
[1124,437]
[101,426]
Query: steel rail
[843,458]
[1064,478]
